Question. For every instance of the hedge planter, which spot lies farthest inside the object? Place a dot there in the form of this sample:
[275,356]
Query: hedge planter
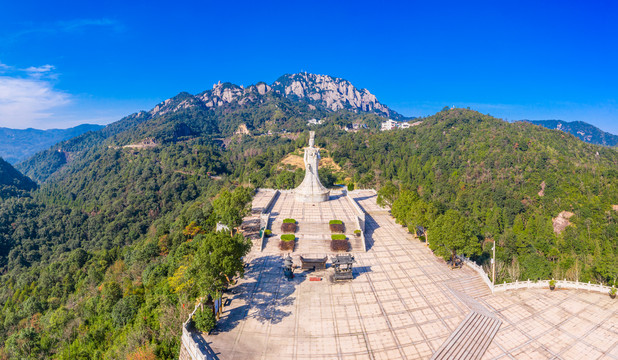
[288,226]
[336,226]
[287,243]
[339,245]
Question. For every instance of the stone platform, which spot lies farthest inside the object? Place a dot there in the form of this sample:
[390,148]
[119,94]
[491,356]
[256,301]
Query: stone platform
[312,219]
[404,303]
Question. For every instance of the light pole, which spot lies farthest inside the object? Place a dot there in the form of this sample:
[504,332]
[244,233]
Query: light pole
[493,266]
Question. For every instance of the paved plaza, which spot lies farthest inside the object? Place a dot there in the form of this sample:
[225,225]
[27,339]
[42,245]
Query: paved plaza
[404,303]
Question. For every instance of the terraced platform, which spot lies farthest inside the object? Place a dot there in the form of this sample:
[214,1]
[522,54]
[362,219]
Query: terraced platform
[404,303]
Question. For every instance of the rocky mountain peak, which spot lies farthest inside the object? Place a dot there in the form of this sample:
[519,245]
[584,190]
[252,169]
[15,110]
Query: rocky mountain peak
[332,92]
[320,90]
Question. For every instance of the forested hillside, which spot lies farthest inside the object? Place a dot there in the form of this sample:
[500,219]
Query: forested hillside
[581,130]
[469,178]
[12,182]
[19,144]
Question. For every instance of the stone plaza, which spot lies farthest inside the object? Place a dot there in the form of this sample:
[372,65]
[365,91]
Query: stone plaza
[403,303]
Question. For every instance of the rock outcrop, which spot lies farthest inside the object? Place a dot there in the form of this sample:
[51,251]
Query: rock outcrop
[318,90]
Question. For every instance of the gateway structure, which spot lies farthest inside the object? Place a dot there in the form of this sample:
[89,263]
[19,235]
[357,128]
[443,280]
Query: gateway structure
[311,189]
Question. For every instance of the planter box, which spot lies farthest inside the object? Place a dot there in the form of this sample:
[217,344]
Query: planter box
[339,245]
[287,245]
[288,228]
[337,228]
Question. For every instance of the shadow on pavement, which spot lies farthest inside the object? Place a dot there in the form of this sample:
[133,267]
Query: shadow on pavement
[265,291]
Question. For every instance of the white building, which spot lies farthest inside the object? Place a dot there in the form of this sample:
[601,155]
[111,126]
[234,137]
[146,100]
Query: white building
[389,125]
[314,122]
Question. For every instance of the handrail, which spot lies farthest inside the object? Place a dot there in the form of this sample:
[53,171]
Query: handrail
[192,348]
[540,284]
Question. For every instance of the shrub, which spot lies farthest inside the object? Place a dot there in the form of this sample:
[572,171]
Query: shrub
[204,320]
[338,237]
[339,245]
[332,222]
[288,237]
[268,232]
[357,232]
[289,221]
[612,291]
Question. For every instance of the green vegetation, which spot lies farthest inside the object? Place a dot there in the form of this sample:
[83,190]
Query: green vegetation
[357,232]
[462,178]
[204,320]
[107,257]
[288,237]
[268,232]
[335,222]
[338,237]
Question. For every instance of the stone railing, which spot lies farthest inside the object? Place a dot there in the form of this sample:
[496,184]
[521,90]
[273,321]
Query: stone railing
[193,350]
[360,217]
[265,217]
[560,284]
[541,284]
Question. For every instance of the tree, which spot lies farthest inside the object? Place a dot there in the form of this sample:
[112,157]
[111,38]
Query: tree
[217,260]
[387,194]
[231,207]
[453,234]
[204,320]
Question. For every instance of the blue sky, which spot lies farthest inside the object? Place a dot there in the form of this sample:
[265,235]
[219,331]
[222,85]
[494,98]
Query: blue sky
[68,62]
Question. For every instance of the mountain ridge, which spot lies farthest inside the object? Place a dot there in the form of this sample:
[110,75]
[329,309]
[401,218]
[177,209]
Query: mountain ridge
[582,130]
[19,144]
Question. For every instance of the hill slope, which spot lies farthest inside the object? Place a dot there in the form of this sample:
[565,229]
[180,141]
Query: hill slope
[17,145]
[219,113]
[12,182]
[583,131]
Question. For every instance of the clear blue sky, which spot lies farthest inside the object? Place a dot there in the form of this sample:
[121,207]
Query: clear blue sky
[69,62]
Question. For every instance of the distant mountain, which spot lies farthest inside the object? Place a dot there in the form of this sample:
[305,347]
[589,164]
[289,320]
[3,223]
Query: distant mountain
[286,105]
[12,182]
[584,131]
[332,93]
[17,145]
[323,91]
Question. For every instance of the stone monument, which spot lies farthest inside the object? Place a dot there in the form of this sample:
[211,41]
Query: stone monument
[311,189]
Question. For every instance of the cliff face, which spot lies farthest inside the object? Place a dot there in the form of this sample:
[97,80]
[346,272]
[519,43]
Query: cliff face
[319,90]
[330,92]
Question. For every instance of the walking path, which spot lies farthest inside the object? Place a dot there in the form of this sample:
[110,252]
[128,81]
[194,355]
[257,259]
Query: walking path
[404,303]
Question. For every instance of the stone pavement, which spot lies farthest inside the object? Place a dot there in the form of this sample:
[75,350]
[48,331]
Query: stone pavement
[403,303]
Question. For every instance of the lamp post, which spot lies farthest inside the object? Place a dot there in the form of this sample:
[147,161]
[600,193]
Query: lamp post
[493,266]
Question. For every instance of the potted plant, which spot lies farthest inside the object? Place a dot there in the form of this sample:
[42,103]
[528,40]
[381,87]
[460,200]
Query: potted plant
[267,232]
[612,292]
[552,284]
[357,232]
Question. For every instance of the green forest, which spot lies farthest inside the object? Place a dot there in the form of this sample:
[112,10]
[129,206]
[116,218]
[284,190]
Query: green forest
[109,253]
